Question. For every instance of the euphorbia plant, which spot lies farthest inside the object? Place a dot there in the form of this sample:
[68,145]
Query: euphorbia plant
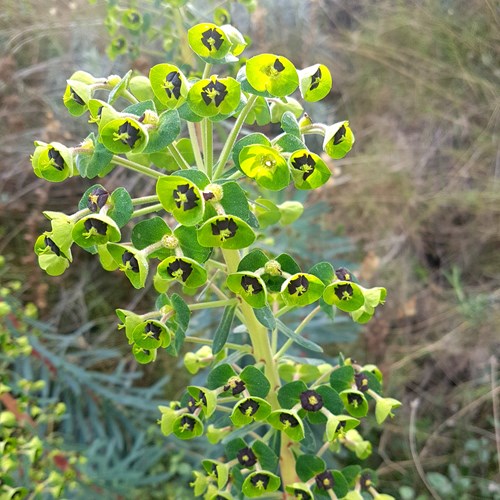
[264,404]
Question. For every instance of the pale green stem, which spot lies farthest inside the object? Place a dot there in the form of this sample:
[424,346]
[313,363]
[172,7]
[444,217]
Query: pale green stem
[181,162]
[209,145]
[136,167]
[233,135]
[298,330]
[215,303]
[206,71]
[130,97]
[228,345]
[314,128]
[284,310]
[145,199]
[196,146]
[262,353]
[78,215]
[147,210]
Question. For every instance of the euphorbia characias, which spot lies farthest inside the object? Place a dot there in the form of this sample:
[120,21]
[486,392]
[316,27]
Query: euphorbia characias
[197,237]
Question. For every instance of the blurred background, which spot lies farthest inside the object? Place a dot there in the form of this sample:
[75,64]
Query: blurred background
[414,207]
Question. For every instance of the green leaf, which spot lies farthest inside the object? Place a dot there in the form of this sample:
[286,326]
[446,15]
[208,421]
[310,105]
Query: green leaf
[167,130]
[308,466]
[151,231]
[234,201]
[121,206]
[219,376]
[289,143]
[222,332]
[189,244]
[266,457]
[119,88]
[92,164]
[298,338]
[267,212]
[256,382]
[290,211]
[139,108]
[265,317]
[252,261]
[259,113]
[342,378]
[290,124]
[182,312]
[324,271]
[288,394]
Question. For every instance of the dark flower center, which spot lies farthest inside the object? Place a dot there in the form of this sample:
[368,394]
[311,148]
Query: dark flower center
[155,330]
[361,382]
[134,17]
[324,481]
[214,92]
[191,404]
[50,243]
[344,292]
[246,457]
[315,79]
[251,285]
[236,385]
[129,257]
[302,495]
[260,481]
[180,269]
[365,481]
[212,39]
[249,407]
[311,400]
[343,274]
[278,66]
[341,425]
[119,43]
[173,84]
[298,285]
[185,196]
[188,423]
[305,163]
[97,199]
[100,226]
[288,420]
[225,228]
[56,159]
[355,399]
[339,135]
[76,97]
[132,134]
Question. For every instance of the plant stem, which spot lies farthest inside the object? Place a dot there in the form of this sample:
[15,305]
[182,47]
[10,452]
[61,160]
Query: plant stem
[181,162]
[206,71]
[231,138]
[214,303]
[196,146]
[209,145]
[229,345]
[145,199]
[130,97]
[147,210]
[136,167]
[263,354]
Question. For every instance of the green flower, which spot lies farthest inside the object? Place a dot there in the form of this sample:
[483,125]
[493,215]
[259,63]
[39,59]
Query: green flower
[301,289]
[248,410]
[315,82]
[338,140]
[152,334]
[117,47]
[308,170]
[169,84]
[52,257]
[143,356]
[259,483]
[124,135]
[78,92]
[209,42]
[289,422]
[132,20]
[95,229]
[183,269]
[250,287]
[345,295]
[187,426]
[226,232]
[354,402]
[132,262]
[52,162]
[265,165]
[273,74]
[214,96]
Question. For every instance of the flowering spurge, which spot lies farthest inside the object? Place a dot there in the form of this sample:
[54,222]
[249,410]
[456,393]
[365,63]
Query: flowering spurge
[276,412]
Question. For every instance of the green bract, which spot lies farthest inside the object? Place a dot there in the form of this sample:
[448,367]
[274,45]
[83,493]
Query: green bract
[345,295]
[53,258]
[132,262]
[289,422]
[186,271]
[315,82]
[132,20]
[143,356]
[209,42]
[250,287]
[123,135]
[52,162]
[76,96]
[301,289]
[226,232]
[265,165]
[339,140]
[259,483]
[169,84]
[309,171]
[182,198]
[273,74]
[95,229]
[214,96]
[248,410]
[151,334]
[354,402]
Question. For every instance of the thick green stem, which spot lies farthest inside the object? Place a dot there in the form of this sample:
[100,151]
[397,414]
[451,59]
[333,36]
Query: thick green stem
[212,304]
[231,138]
[196,145]
[145,199]
[147,210]
[136,167]
[181,162]
[209,145]
[263,354]
[229,345]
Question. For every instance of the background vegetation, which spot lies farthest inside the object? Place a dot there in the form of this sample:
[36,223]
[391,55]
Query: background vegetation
[416,204]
